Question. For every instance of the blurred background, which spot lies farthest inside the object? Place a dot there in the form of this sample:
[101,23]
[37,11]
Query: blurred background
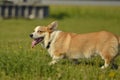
[40,8]
[73,15]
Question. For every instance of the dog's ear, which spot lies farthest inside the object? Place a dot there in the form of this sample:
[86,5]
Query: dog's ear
[53,25]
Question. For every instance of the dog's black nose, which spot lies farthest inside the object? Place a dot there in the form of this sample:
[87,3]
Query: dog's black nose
[31,35]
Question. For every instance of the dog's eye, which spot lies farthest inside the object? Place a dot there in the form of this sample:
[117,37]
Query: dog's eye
[39,31]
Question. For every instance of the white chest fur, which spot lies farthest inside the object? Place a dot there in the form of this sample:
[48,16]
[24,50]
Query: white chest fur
[53,38]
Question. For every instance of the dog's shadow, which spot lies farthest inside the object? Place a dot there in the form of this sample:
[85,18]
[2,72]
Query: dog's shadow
[91,63]
[76,62]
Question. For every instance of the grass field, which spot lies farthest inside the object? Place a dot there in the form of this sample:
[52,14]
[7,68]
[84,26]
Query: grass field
[19,62]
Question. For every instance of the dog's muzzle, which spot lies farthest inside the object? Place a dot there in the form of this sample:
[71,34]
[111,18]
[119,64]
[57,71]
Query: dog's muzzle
[31,35]
[36,40]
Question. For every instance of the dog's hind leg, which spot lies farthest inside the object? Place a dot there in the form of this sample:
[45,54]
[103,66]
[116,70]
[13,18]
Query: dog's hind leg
[106,64]
[109,52]
[108,58]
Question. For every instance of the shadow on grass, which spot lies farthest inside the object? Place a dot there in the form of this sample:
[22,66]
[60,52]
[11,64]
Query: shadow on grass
[91,63]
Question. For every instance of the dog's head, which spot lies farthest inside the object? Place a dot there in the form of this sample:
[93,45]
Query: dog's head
[41,31]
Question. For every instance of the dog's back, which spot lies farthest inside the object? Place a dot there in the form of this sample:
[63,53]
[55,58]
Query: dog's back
[86,45]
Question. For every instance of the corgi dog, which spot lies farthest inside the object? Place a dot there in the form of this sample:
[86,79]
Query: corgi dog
[61,44]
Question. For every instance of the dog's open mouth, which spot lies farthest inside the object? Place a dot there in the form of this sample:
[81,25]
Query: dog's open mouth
[36,41]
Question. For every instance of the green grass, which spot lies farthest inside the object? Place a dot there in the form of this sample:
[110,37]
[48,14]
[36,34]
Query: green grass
[19,62]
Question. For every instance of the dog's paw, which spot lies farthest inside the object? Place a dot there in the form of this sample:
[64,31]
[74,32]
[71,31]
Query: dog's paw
[52,63]
[103,67]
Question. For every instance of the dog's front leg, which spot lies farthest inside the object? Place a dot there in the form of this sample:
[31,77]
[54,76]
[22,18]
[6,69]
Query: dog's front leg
[55,59]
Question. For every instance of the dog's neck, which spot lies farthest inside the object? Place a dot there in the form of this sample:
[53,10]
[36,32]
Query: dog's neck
[49,38]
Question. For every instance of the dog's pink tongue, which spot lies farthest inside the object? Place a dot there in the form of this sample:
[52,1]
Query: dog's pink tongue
[34,42]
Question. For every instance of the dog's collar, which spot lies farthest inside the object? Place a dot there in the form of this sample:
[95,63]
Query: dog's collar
[48,46]
[53,36]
